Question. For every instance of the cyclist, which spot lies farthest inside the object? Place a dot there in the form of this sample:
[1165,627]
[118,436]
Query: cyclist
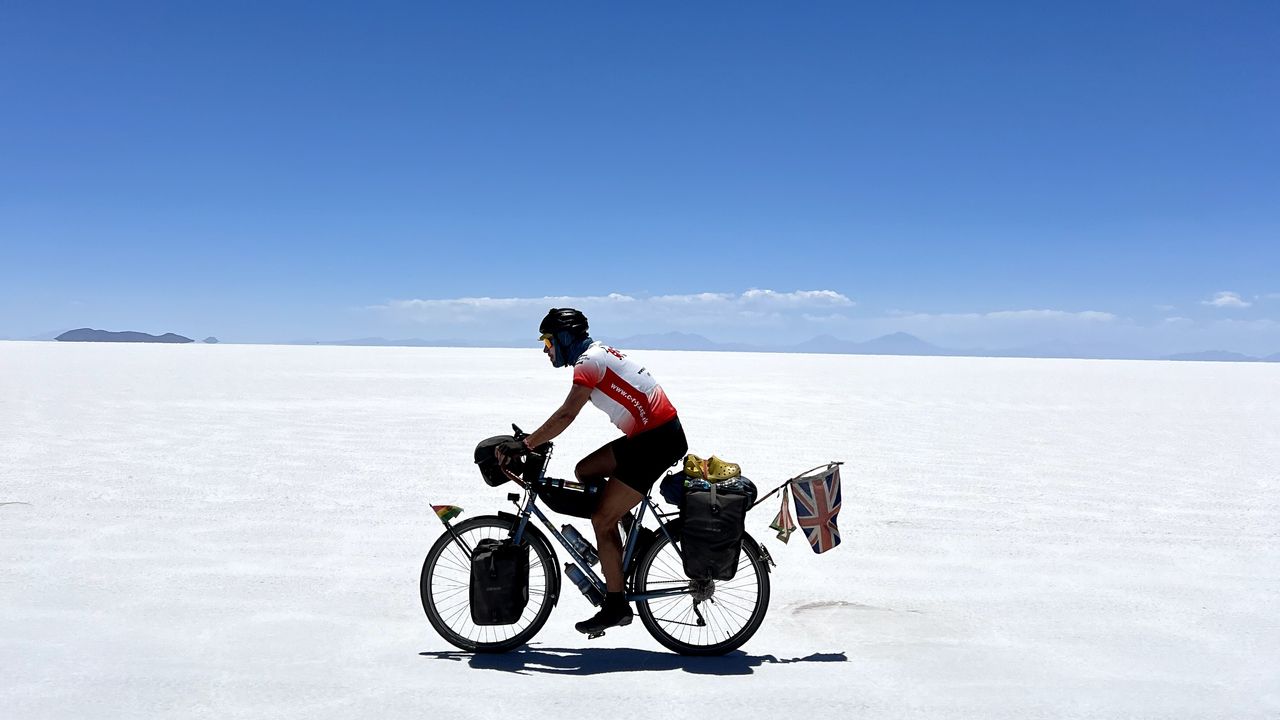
[652,440]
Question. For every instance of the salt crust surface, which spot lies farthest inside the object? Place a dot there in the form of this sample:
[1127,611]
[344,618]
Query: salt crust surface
[225,531]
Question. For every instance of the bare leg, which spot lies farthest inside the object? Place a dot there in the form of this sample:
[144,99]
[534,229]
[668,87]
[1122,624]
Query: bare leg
[598,465]
[617,501]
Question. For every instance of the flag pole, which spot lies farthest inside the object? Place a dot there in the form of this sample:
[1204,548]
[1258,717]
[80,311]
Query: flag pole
[785,483]
[453,533]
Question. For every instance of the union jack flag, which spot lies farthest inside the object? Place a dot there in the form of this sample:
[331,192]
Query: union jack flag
[817,504]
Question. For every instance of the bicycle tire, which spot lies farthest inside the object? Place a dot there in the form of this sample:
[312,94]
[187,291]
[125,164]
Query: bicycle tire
[731,621]
[445,585]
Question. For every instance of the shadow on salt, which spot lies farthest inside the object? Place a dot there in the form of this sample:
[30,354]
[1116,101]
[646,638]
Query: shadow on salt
[578,661]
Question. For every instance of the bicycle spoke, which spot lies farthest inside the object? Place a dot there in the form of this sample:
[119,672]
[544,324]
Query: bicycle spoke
[730,614]
[457,561]
[447,585]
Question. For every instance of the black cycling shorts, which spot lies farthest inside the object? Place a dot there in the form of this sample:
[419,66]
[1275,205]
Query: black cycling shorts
[644,457]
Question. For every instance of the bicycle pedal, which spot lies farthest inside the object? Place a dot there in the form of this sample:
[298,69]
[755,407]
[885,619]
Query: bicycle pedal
[594,635]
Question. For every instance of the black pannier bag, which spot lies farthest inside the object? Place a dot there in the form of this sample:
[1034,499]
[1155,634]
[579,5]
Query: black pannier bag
[570,497]
[499,582]
[713,519]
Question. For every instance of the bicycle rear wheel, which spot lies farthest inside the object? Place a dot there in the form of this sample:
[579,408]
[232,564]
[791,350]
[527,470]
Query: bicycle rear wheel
[731,610]
[446,588]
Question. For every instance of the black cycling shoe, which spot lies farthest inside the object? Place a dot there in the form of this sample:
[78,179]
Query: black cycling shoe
[613,614]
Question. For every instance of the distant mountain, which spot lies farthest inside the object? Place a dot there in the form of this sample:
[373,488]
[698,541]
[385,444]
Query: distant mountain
[91,335]
[1065,350]
[825,344]
[901,343]
[677,341]
[1212,356]
[1050,349]
[898,343]
[1272,358]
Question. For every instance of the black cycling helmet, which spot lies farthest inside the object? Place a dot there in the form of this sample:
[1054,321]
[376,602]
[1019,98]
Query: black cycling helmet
[564,320]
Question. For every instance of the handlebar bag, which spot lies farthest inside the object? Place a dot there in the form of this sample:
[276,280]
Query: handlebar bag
[499,582]
[713,519]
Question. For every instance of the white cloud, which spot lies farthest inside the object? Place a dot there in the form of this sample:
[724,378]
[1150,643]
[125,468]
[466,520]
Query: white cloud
[1258,324]
[1087,315]
[1227,299]
[822,298]
[767,317]
[475,306]
[751,299]
[759,299]
[627,314]
[1013,316]
[828,318]
[776,318]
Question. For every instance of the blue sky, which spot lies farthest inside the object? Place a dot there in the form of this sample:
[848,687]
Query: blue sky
[979,174]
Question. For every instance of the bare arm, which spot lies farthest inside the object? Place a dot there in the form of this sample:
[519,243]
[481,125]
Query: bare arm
[561,418]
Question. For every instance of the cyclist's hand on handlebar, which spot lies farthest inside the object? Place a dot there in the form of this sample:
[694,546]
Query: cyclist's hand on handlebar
[511,449]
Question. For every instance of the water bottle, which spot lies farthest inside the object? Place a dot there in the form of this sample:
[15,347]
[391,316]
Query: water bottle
[579,578]
[580,545]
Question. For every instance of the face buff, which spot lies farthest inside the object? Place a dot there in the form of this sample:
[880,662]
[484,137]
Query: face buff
[568,349]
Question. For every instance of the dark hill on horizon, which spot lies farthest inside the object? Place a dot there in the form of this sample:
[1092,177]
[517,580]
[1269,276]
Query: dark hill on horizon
[1217,356]
[92,335]
[898,343]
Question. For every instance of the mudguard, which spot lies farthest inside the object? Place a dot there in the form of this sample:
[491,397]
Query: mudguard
[762,551]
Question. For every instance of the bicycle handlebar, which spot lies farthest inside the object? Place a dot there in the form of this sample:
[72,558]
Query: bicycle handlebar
[543,450]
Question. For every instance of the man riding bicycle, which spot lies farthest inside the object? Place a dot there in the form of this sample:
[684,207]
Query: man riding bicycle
[652,440]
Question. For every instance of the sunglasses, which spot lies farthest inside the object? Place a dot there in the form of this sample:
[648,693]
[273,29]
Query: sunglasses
[546,341]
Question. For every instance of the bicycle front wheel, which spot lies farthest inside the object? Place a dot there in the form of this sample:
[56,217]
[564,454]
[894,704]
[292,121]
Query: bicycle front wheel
[711,617]
[446,588]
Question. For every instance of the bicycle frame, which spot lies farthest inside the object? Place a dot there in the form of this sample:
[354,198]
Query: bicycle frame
[652,577]
[529,508]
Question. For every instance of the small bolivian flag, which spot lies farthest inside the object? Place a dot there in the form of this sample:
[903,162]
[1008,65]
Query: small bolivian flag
[447,512]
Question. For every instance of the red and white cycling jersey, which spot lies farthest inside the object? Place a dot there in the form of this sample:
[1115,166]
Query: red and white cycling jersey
[623,389]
